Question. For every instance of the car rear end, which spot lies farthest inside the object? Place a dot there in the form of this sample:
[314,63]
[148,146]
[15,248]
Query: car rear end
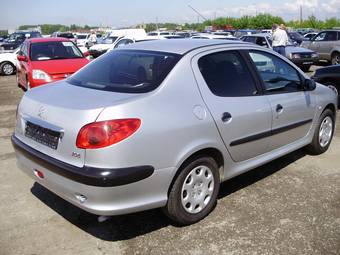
[87,142]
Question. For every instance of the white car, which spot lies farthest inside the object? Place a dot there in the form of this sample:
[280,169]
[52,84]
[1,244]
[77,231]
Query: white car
[113,37]
[8,62]
[83,39]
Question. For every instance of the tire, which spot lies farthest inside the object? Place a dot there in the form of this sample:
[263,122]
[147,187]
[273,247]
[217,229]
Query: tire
[194,192]
[7,68]
[335,58]
[305,68]
[320,145]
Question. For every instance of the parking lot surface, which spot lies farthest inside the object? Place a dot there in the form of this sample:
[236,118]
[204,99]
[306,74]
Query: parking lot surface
[289,206]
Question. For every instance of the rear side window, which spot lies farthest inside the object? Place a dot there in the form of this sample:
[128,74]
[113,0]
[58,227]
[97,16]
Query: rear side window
[227,75]
[126,71]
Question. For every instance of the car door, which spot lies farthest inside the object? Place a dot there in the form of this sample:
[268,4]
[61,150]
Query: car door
[242,115]
[293,108]
[330,41]
[316,42]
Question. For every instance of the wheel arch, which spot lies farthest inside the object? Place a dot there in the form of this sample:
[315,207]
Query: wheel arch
[331,107]
[215,153]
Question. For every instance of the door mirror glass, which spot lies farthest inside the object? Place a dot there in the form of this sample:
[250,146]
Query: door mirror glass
[309,84]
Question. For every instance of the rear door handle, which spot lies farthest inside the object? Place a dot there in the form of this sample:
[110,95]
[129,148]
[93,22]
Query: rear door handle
[226,117]
[279,108]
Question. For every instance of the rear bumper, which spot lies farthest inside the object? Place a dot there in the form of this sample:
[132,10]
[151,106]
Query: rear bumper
[101,177]
[120,191]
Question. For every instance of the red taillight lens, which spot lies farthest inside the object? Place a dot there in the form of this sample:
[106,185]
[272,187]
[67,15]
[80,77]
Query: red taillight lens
[105,133]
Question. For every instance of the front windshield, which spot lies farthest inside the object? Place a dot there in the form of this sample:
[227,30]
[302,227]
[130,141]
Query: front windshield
[126,71]
[54,50]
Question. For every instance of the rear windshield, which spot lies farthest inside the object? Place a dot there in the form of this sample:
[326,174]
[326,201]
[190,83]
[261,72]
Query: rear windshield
[126,71]
[54,50]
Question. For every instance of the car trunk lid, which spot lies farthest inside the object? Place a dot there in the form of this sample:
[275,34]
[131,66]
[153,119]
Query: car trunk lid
[50,117]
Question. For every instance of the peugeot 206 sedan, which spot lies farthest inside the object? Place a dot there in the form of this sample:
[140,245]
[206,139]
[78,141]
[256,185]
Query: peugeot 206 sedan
[44,60]
[163,123]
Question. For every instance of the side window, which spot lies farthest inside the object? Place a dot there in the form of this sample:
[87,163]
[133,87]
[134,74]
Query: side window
[250,39]
[261,41]
[331,36]
[320,37]
[276,74]
[227,75]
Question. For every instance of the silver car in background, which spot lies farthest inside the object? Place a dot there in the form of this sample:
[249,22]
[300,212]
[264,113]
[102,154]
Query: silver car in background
[163,123]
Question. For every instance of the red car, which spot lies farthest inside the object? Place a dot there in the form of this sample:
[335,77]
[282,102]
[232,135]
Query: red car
[44,60]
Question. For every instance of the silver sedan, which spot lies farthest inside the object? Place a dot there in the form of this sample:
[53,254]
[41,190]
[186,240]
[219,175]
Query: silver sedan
[163,123]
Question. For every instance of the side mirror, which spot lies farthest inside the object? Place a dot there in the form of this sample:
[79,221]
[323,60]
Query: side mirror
[309,85]
[22,58]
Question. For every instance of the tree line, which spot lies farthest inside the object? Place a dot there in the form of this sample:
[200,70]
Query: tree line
[260,21]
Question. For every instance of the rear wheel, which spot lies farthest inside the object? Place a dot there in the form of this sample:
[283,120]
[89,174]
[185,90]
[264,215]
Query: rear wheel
[335,58]
[7,68]
[194,192]
[323,133]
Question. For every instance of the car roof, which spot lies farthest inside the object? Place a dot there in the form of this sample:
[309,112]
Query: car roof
[49,39]
[179,46]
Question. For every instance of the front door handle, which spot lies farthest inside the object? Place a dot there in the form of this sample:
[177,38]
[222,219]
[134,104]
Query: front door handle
[279,108]
[226,117]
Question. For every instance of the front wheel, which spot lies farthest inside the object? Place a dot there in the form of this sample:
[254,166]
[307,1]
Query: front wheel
[194,192]
[323,134]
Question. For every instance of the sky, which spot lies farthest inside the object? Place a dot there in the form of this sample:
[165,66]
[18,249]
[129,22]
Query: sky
[131,12]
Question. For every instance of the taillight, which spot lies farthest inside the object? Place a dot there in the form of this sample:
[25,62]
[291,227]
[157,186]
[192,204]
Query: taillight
[105,133]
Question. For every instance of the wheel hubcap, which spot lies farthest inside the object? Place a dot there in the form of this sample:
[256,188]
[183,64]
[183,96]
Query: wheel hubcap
[325,132]
[7,69]
[336,60]
[197,189]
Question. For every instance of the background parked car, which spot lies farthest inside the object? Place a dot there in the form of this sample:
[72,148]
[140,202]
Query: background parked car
[45,60]
[296,37]
[16,39]
[213,36]
[111,38]
[8,62]
[67,35]
[83,39]
[300,56]
[327,44]
[329,76]
[3,38]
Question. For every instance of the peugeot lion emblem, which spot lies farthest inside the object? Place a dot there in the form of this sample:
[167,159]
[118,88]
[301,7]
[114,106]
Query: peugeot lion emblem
[41,112]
